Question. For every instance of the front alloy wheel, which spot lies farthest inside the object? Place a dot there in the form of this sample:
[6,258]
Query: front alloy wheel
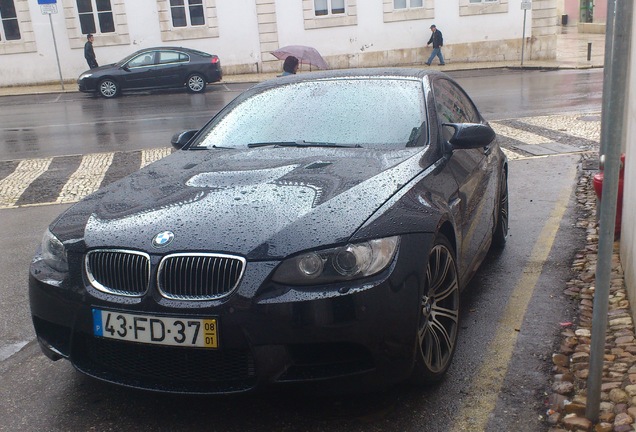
[108,88]
[439,314]
[196,83]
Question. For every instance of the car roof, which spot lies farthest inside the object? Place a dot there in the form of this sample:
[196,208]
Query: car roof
[173,48]
[361,73]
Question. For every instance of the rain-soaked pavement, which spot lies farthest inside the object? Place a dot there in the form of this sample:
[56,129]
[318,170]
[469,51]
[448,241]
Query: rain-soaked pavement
[75,123]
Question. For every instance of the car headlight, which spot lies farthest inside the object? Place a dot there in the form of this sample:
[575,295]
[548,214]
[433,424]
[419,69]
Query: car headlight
[83,76]
[54,252]
[352,261]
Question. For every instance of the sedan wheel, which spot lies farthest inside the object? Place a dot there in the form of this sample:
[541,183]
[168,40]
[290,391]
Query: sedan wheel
[439,314]
[196,83]
[501,230]
[108,88]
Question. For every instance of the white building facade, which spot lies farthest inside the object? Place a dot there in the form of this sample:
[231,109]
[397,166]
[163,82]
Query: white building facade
[348,33]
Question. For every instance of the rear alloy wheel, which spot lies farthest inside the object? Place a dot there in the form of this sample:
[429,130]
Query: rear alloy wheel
[196,83]
[108,88]
[439,314]
[501,229]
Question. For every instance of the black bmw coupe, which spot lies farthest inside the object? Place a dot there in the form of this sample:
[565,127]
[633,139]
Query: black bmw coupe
[318,229]
[154,68]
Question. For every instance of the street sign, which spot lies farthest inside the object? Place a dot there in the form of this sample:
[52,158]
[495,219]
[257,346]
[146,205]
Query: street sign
[526,4]
[48,9]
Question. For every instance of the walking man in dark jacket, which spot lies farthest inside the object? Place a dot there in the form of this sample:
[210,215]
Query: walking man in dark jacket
[438,41]
[89,53]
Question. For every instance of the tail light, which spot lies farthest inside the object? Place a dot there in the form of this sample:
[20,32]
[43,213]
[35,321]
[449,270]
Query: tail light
[215,59]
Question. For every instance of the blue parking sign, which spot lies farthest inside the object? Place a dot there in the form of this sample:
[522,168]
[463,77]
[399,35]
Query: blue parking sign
[41,2]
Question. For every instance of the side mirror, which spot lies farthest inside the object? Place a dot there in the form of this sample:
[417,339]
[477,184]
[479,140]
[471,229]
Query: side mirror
[470,135]
[180,139]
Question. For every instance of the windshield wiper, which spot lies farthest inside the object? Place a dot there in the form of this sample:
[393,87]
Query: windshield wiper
[302,144]
[211,147]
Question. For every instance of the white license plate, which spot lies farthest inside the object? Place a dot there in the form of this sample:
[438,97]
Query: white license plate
[156,330]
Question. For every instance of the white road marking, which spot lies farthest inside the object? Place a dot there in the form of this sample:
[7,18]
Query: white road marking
[152,155]
[14,185]
[520,135]
[87,177]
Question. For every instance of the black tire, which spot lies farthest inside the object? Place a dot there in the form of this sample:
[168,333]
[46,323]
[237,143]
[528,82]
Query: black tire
[108,88]
[501,229]
[439,314]
[196,83]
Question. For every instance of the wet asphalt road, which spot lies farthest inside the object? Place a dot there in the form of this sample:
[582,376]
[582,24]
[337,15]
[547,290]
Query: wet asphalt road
[77,123]
[37,394]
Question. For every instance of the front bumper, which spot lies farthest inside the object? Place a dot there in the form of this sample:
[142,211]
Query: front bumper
[87,85]
[342,336]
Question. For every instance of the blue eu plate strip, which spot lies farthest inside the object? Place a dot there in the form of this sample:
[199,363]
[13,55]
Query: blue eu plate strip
[98,329]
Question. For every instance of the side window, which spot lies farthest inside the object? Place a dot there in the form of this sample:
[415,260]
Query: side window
[171,57]
[96,16]
[452,105]
[10,29]
[145,59]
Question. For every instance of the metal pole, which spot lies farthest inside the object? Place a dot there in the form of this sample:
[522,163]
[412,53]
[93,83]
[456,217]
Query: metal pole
[57,57]
[523,37]
[613,118]
[607,79]
[589,51]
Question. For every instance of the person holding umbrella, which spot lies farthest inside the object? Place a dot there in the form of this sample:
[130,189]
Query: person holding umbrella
[290,66]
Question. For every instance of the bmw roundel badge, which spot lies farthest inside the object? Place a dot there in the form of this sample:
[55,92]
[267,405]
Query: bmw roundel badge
[163,239]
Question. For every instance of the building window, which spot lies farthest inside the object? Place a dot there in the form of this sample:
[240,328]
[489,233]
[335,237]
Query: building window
[187,19]
[187,13]
[406,10]
[407,4]
[93,12]
[330,13]
[329,7]
[482,7]
[10,29]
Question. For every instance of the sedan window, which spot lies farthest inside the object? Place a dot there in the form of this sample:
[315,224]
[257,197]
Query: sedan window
[144,59]
[352,112]
[172,57]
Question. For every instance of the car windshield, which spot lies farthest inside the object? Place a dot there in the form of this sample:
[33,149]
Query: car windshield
[340,112]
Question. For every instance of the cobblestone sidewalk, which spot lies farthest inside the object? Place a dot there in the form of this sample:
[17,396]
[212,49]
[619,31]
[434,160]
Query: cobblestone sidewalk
[567,403]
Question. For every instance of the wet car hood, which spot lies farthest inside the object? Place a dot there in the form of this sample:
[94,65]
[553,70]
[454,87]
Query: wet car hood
[262,203]
[100,69]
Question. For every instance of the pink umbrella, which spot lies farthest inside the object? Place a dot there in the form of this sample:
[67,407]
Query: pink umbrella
[306,55]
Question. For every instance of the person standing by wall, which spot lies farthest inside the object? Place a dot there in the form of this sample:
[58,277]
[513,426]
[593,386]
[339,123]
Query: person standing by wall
[438,41]
[89,53]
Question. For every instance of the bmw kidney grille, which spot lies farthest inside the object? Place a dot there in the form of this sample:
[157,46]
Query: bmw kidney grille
[182,276]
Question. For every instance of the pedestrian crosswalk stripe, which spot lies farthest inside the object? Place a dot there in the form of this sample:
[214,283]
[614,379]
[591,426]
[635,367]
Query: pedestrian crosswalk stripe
[587,127]
[14,185]
[87,178]
[153,155]
[519,135]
